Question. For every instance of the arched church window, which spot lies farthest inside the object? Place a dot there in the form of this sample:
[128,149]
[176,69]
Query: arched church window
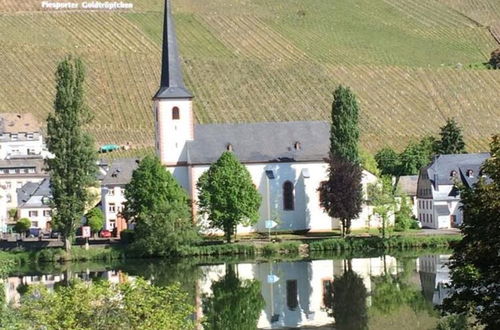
[288,198]
[175,113]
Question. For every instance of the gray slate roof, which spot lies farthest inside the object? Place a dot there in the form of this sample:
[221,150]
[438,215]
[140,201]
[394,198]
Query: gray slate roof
[27,162]
[261,142]
[408,184]
[171,83]
[120,172]
[34,194]
[440,169]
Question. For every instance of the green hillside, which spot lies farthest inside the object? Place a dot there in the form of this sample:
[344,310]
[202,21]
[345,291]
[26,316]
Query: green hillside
[267,60]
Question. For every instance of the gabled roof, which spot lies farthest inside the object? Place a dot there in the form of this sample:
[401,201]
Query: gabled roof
[261,142]
[34,194]
[120,172]
[171,83]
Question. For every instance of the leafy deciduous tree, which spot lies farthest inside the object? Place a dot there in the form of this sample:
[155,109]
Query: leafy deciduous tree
[475,263]
[228,196]
[160,208]
[451,141]
[382,199]
[341,195]
[22,225]
[101,305]
[95,219]
[73,168]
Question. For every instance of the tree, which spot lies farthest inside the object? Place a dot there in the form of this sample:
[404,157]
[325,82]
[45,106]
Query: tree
[368,162]
[346,301]
[102,305]
[382,198]
[95,219]
[495,59]
[344,131]
[412,159]
[73,168]
[403,219]
[341,195]
[228,196]
[22,225]
[451,141]
[475,263]
[388,161]
[160,209]
[234,304]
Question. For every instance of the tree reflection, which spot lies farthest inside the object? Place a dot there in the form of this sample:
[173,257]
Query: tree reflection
[345,300]
[234,303]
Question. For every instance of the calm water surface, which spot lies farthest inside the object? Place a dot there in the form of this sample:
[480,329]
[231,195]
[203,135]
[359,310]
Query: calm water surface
[382,292]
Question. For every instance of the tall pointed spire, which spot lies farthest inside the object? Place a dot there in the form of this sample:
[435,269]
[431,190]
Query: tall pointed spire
[171,83]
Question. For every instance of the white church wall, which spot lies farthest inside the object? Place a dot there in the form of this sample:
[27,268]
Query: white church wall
[306,215]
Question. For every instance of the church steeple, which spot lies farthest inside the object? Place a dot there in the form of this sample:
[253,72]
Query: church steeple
[171,83]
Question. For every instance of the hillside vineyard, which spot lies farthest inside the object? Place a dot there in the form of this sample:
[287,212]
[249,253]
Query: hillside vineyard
[249,61]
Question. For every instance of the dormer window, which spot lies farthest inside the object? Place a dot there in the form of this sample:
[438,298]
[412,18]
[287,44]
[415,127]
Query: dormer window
[14,137]
[297,145]
[229,147]
[175,113]
[470,173]
[453,173]
[29,136]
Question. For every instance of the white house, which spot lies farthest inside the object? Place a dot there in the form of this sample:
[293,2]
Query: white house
[438,199]
[113,192]
[14,174]
[34,204]
[20,135]
[3,212]
[285,159]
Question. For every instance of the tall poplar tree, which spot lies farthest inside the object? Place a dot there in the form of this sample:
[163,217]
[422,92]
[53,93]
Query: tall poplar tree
[344,131]
[341,194]
[73,168]
[452,141]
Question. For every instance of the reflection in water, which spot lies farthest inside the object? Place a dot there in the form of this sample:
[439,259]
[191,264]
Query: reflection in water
[270,295]
[233,303]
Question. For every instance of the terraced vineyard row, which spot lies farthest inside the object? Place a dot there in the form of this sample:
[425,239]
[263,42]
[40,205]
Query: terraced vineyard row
[258,60]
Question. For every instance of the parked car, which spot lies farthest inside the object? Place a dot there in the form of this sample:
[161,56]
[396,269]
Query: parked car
[55,234]
[105,234]
[34,232]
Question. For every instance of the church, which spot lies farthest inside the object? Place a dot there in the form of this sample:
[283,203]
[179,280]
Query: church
[285,159]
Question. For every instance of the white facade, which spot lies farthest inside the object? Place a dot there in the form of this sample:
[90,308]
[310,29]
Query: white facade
[306,213]
[40,217]
[112,203]
[174,127]
[21,144]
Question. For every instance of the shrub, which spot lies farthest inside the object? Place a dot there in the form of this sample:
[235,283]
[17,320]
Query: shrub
[127,236]
[22,225]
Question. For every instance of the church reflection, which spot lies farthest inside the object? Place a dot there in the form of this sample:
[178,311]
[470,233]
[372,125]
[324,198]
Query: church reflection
[285,294]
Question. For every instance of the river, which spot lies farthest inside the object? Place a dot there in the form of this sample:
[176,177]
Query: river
[379,292]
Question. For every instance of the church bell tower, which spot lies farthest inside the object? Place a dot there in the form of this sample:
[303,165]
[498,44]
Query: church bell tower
[173,106]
